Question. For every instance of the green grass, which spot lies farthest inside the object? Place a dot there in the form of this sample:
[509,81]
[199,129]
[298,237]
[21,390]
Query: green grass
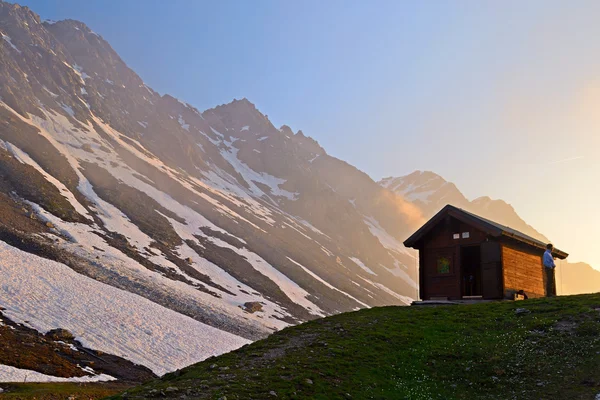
[60,391]
[484,351]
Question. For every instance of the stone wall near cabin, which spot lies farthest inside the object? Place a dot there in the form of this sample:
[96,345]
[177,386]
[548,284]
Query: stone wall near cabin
[522,271]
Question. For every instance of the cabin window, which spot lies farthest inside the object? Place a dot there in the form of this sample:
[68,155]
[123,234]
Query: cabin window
[443,265]
[456,236]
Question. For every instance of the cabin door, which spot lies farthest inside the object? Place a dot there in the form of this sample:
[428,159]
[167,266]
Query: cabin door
[491,270]
[470,262]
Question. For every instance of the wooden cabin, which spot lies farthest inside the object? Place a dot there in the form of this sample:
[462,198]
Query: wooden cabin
[465,256]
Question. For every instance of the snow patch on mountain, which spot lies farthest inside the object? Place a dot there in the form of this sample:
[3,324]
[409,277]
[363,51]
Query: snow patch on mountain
[183,124]
[405,299]
[8,40]
[49,92]
[68,110]
[10,374]
[26,159]
[386,240]
[400,271]
[289,287]
[362,265]
[252,177]
[46,295]
[330,286]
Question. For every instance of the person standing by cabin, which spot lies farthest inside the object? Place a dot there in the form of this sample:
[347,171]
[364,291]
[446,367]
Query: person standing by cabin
[549,267]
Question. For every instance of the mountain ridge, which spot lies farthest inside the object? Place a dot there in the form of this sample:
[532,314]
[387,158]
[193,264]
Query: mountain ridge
[217,215]
[432,192]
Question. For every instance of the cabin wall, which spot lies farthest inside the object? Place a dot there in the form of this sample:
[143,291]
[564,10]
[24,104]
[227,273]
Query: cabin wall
[522,270]
[422,285]
[440,244]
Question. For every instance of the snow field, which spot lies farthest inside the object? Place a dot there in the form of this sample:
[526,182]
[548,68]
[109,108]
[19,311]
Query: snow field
[45,295]
[13,374]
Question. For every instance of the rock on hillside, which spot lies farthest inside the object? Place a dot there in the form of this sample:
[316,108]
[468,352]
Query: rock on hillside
[60,356]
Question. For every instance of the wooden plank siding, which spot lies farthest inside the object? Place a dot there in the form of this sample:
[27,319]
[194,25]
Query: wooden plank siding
[440,242]
[522,270]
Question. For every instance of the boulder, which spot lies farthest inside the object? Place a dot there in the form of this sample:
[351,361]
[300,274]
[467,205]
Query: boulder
[252,306]
[60,334]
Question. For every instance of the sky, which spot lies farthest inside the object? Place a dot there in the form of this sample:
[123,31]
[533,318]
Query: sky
[501,98]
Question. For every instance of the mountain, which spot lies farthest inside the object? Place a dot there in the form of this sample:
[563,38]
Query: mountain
[162,234]
[508,350]
[572,278]
[430,193]
[427,190]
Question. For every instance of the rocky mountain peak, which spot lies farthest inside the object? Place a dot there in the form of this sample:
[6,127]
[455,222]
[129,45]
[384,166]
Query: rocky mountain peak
[286,130]
[483,200]
[486,202]
[243,102]
[90,51]
[430,192]
[505,213]
[18,23]
[69,23]
[239,114]
[426,188]
[18,12]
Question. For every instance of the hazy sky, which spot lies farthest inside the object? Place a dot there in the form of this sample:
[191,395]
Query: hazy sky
[500,97]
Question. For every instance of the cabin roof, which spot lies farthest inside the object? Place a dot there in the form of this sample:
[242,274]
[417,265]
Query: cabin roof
[490,227]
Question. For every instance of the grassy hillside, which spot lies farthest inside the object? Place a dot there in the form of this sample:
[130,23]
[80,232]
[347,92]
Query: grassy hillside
[534,349]
[60,391]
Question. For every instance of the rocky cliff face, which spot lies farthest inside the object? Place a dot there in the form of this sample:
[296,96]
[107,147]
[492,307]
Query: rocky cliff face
[199,212]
